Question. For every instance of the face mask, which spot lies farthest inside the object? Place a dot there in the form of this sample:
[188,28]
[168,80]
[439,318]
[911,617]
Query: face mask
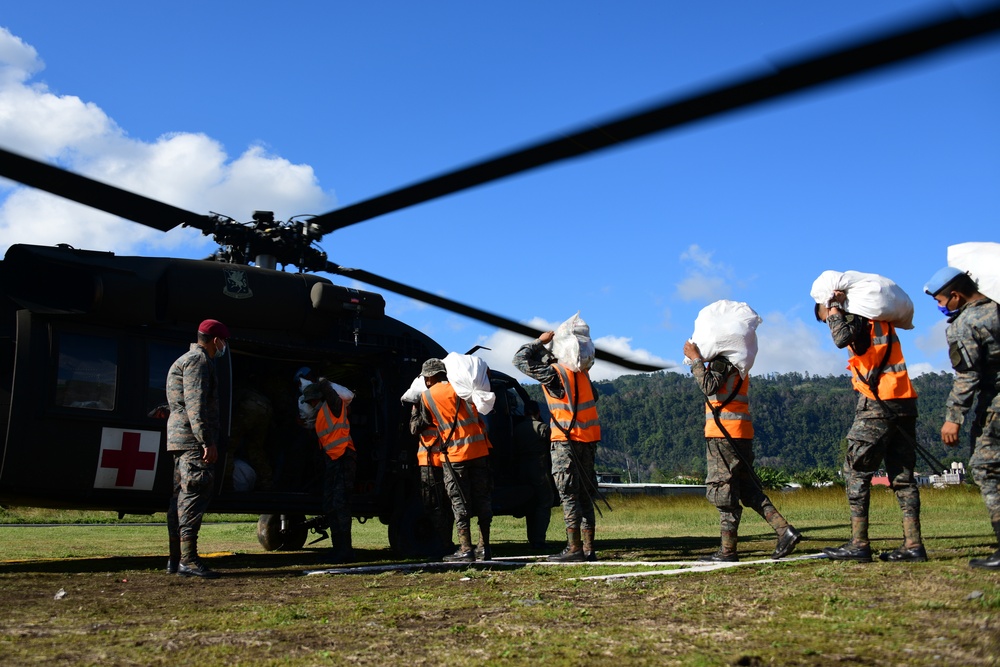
[947,313]
[220,352]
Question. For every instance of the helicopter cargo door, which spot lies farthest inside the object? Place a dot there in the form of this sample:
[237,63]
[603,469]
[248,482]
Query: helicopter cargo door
[80,434]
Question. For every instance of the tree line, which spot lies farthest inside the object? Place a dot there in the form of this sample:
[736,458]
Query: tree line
[652,425]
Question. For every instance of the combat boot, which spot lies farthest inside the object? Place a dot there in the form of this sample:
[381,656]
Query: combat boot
[573,553]
[991,562]
[786,543]
[721,556]
[587,535]
[342,551]
[190,564]
[175,555]
[484,551]
[466,552]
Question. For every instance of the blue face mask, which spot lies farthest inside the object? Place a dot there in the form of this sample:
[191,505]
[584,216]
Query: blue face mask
[947,313]
[220,352]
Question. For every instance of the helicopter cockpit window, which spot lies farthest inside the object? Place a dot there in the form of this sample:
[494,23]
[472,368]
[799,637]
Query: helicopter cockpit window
[88,372]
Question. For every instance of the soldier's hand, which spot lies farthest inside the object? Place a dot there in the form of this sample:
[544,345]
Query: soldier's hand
[546,337]
[949,433]
[691,351]
[209,453]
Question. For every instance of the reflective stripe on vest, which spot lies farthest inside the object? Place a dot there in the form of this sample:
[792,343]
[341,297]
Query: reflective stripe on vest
[894,381]
[576,412]
[334,433]
[460,430]
[735,415]
[429,451]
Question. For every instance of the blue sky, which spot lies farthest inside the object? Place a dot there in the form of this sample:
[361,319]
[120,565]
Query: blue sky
[236,106]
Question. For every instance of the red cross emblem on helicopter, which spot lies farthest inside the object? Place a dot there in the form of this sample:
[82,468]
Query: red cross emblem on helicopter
[127,459]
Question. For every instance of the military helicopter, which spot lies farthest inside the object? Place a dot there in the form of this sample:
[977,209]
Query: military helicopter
[87,336]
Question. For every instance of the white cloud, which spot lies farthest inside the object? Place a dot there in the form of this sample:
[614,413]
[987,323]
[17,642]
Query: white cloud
[706,280]
[789,345]
[191,171]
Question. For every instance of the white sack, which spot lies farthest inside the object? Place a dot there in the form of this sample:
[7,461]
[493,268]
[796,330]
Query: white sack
[982,262]
[727,329]
[469,377]
[572,345]
[417,387]
[346,395]
[868,295]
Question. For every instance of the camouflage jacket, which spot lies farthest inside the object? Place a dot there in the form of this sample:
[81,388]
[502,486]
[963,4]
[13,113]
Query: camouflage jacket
[535,361]
[854,333]
[193,397]
[974,348]
[714,377]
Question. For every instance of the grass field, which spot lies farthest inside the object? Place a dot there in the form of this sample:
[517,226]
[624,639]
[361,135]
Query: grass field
[117,607]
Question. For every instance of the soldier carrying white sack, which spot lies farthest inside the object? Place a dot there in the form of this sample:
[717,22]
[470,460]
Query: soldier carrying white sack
[576,432]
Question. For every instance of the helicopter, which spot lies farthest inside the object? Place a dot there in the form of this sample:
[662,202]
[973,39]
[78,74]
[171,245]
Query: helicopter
[88,336]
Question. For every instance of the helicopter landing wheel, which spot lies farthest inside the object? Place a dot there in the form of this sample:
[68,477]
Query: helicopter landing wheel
[273,538]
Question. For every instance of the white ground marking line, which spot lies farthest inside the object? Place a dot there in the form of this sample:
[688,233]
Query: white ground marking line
[696,566]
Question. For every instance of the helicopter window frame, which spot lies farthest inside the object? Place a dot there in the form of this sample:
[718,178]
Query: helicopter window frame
[86,381]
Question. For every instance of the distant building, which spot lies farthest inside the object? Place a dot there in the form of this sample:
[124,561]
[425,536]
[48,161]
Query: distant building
[954,475]
[609,478]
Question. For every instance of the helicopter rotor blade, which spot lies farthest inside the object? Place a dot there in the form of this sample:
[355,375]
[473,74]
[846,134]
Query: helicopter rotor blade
[470,311]
[808,72]
[96,194]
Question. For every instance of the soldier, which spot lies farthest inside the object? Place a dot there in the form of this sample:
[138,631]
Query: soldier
[464,456]
[885,421]
[432,489]
[731,480]
[334,433]
[192,438]
[974,347]
[575,433]
[531,442]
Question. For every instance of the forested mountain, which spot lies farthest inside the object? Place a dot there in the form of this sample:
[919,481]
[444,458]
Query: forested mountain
[654,424]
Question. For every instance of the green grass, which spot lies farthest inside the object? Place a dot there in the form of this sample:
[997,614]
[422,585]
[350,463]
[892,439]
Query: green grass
[119,608]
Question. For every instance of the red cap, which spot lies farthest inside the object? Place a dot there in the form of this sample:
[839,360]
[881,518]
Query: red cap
[213,328]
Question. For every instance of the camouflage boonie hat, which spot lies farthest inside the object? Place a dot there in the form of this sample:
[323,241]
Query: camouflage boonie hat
[432,367]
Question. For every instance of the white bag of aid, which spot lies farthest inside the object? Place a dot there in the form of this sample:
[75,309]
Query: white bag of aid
[982,262]
[469,377]
[412,394]
[727,329]
[868,295]
[572,346]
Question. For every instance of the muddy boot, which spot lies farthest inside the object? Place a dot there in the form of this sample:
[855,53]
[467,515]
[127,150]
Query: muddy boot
[465,552]
[587,535]
[175,555]
[190,564]
[573,553]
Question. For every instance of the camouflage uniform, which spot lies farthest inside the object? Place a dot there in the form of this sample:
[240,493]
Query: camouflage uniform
[882,430]
[338,485]
[730,482]
[193,398]
[531,442]
[974,348]
[468,484]
[433,495]
[577,484]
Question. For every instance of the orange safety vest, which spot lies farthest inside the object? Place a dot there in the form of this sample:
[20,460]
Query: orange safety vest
[575,413]
[735,415]
[334,433]
[894,381]
[429,450]
[460,431]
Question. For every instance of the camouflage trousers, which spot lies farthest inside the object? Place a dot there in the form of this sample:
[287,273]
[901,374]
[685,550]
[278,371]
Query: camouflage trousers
[871,441]
[434,498]
[573,472]
[985,465]
[338,484]
[193,482]
[730,484]
[470,488]
[536,470]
